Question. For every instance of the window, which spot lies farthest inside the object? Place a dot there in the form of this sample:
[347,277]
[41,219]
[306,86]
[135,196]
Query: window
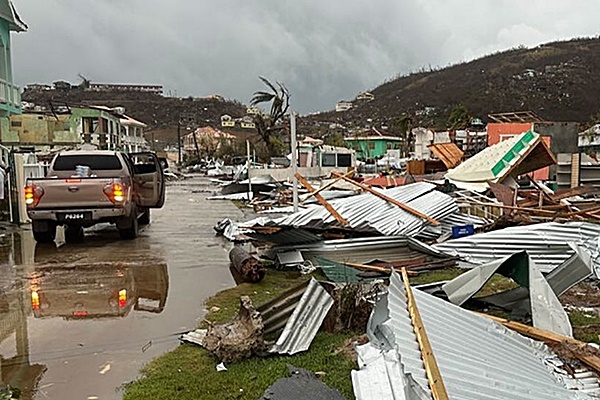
[344,160]
[16,124]
[371,145]
[328,160]
[389,145]
[96,162]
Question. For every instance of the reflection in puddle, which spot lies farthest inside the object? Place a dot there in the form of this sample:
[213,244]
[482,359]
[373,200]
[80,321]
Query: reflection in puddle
[70,283]
[97,290]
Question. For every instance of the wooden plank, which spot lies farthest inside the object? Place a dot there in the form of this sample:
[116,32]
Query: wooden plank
[375,268]
[330,184]
[549,338]
[322,200]
[389,199]
[541,212]
[436,383]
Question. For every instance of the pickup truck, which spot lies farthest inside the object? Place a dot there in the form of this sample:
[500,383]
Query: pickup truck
[83,188]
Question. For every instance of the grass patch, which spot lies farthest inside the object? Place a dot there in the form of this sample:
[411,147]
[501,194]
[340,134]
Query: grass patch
[438,275]
[189,372]
[228,301]
[583,319]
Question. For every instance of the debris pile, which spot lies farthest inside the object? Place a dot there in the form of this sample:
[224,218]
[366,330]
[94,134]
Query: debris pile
[484,239]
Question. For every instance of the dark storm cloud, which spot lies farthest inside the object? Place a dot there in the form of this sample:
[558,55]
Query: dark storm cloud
[323,51]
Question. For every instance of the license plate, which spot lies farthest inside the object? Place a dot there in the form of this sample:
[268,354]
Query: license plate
[75,217]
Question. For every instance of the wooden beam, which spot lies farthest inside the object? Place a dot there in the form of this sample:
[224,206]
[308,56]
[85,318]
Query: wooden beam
[321,200]
[388,199]
[436,383]
[375,268]
[550,338]
[330,184]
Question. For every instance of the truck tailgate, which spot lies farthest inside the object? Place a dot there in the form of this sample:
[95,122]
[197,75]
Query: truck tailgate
[73,193]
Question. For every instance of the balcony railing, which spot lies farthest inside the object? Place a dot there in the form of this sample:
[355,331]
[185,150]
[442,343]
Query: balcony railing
[10,94]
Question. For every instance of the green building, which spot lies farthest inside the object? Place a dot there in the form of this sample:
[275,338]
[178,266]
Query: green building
[374,146]
[10,94]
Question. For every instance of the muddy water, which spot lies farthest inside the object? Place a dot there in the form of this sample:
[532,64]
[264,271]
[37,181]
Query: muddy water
[79,321]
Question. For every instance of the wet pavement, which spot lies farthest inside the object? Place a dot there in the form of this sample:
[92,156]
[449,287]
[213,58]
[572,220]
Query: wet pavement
[79,321]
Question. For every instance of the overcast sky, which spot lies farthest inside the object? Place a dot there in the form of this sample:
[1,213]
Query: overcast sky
[323,50]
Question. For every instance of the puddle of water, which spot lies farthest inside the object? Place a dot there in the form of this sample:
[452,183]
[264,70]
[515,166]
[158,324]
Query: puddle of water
[79,321]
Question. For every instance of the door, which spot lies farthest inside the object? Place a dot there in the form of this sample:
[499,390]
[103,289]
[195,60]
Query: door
[148,180]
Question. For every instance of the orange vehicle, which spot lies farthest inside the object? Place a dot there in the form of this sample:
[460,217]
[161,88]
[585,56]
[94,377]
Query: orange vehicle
[83,188]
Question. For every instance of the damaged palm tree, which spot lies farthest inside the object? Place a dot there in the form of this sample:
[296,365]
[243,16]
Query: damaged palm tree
[270,125]
[238,339]
[249,268]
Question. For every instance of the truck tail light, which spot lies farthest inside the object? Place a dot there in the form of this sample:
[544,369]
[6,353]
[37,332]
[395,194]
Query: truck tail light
[115,192]
[33,194]
[35,300]
[122,298]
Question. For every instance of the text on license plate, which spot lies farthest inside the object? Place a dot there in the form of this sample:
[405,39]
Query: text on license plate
[77,216]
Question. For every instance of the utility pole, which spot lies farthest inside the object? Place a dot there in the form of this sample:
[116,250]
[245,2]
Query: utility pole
[248,169]
[179,139]
[294,160]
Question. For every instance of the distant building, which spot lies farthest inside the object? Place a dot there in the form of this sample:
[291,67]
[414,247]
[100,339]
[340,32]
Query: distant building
[132,135]
[253,110]
[343,105]
[102,127]
[423,137]
[207,138]
[38,87]
[10,94]
[365,96]
[373,146]
[115,87]
[247,123]
[227,121]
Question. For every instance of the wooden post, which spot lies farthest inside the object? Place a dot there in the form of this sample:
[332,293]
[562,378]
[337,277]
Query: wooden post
[321,200]
[550,338]
[436,383]
[389,199]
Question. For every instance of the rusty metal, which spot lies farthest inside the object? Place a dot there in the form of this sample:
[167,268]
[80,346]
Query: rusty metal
[249,267]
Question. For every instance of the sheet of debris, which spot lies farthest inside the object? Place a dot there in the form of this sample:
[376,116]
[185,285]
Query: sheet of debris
[459,345]
[299,311]
[549,244]
[544,307]
[502,162]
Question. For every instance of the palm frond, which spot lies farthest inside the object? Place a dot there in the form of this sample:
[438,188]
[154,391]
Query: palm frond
[261,97]
[269,84]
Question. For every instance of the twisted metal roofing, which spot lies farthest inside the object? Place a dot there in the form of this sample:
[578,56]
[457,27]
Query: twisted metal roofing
[548,244]
[477,358]
[369,213]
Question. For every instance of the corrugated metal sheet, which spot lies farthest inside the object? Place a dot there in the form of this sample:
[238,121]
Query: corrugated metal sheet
[286,237]
[363,250]
[369,213]
[382,376]
[545,308]
[302,326]
[300,311]
[478,358]
[546,243]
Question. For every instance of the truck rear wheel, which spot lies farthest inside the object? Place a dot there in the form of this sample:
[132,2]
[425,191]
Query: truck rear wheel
[43,231]
[130,230]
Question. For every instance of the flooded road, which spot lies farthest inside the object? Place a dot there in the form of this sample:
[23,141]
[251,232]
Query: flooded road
[79,321]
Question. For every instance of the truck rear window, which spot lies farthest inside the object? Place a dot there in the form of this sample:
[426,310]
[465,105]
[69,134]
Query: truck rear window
[97,163]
